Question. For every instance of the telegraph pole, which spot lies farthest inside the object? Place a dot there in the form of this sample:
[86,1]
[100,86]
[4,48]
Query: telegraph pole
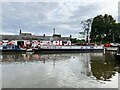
[113,38]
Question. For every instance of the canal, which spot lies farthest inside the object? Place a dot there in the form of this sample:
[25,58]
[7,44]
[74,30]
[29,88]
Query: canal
[65,70]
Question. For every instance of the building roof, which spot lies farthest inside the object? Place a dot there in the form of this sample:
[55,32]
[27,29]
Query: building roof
[33,37]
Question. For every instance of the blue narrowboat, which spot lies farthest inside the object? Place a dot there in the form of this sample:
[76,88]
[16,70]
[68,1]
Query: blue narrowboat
[5,48]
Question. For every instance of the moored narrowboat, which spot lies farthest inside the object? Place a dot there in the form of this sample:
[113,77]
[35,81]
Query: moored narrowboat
[68,49]
[50,46]
[117,54]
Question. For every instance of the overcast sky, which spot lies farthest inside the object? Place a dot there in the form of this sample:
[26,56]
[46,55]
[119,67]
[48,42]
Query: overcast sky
[41,17]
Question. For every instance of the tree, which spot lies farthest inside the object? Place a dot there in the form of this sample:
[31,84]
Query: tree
[103,28]
[86,26]
[117,32]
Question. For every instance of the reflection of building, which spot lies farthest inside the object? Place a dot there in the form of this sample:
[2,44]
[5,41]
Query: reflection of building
[1,57]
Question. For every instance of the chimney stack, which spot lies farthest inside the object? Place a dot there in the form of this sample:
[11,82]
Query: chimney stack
[20,32]
[53,31]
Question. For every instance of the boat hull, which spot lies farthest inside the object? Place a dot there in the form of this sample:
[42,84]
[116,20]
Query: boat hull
[111,49]
[60,49]
[68,50]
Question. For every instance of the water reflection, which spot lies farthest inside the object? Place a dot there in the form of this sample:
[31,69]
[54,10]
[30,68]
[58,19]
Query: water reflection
[30,57]
[104,67]
[79,67]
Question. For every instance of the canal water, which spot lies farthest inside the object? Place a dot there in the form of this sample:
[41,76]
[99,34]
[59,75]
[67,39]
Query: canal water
[65,70]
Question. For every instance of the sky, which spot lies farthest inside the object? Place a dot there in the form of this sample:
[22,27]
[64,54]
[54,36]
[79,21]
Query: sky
[40,17]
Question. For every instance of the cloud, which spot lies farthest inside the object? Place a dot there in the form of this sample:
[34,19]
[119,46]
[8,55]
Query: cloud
[41,17]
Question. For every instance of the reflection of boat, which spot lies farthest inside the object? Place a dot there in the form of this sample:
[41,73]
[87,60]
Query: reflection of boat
[117,54]
[30,53]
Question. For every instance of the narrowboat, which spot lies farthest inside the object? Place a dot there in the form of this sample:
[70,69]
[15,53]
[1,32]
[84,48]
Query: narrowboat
[70,49]
[49,46]
[117,54]
[6,48]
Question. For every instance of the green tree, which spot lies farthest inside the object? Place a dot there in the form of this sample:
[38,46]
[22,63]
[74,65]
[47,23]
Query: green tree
[103,28]
[117,33]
